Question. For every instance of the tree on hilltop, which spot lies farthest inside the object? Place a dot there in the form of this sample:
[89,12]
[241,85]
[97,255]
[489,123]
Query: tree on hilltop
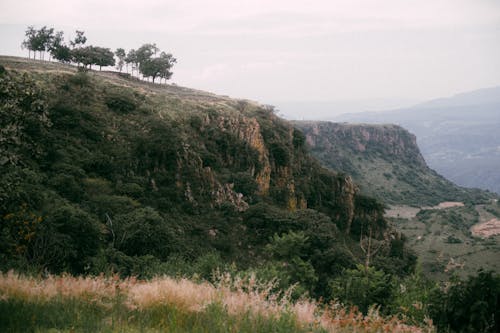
[46,36]
[158,67]
[93,55]
[38,40]
[28,43]
[131,59]
[80,39]
[120,54]
[148,61]
[145,52]
[151,65]
[58,49]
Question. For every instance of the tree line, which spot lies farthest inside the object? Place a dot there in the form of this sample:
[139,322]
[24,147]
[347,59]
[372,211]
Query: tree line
[148,61]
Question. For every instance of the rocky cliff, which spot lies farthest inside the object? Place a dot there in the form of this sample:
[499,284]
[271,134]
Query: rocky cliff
[384,160]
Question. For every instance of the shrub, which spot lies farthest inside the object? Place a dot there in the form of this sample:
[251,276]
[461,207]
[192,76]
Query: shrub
[121,102]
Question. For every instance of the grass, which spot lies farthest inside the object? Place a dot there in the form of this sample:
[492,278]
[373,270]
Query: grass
[110,304]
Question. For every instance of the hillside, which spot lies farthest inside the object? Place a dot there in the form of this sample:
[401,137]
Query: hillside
[102,172]
[385,161]
[133,188]
[458,135]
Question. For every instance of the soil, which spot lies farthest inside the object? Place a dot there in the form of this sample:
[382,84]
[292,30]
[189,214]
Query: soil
[486,229]
[449,204]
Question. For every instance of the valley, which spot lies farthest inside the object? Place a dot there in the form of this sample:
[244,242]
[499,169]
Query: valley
[455,240]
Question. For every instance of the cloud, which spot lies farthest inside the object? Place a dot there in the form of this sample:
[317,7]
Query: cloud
[252,16]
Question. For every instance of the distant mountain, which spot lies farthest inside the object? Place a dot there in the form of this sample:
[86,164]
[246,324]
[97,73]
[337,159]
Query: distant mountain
[384,160]
[459,136]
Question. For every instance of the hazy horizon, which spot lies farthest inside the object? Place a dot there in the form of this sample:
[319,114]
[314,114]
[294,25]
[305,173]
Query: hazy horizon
[350,56]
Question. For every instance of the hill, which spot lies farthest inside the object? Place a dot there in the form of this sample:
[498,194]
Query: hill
[458,136]
[385,161]
[103,172]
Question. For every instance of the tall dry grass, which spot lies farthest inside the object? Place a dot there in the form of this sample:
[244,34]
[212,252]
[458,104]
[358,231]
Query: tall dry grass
[239,296]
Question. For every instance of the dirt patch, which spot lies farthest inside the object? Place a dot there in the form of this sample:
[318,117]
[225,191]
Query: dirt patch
[487,229]
[449,204]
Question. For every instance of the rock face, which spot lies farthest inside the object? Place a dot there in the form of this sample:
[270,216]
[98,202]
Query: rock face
[346,195]
[388,140]
[258,155]
[384,160]
[248,130]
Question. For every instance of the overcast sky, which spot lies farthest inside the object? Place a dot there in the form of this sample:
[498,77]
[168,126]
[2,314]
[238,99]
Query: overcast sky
[343,55]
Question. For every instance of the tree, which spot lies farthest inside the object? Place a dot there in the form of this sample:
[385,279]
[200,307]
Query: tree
[168,62]
[67,238]
[141,232]
[362,287]
[131,59]
[29,42]
[288,252]
[62,53]
[79,55]
[145,52]
[158,67]
[93,55]
[80,39]
[38,40]
[120,54]
[102,57]
[143,55]
[45,36]
[58,49]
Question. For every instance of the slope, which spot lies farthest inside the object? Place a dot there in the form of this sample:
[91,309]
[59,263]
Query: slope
[102,172]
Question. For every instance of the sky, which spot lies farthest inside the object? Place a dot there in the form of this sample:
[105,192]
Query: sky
[312,59]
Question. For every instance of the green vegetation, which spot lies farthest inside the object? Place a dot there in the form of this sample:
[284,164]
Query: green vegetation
[105,174]
[102,174]
[470,306]
[82,316]
[444,243]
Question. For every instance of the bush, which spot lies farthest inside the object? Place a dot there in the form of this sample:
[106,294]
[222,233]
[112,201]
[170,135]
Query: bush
[66,240]
[121,102]
[469,306]
[362,287]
